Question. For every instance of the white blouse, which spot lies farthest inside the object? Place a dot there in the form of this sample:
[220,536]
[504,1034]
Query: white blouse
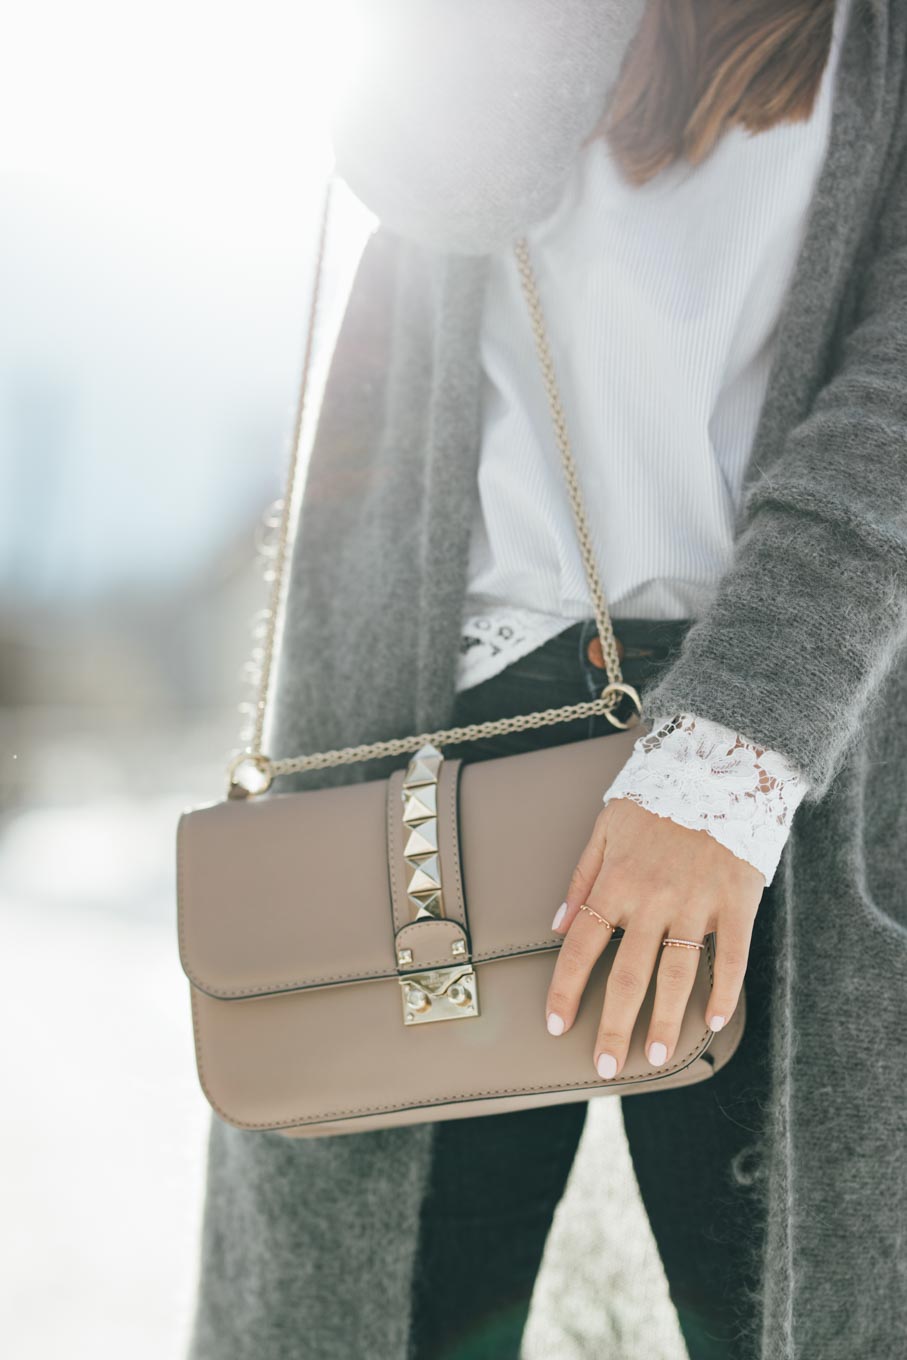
[661,305]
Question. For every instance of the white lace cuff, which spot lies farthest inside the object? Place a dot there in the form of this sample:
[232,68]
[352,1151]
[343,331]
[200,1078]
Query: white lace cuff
[707,777]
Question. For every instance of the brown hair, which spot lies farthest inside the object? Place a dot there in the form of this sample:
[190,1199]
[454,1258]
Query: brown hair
[696,67]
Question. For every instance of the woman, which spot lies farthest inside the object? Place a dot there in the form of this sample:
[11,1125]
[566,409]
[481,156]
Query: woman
[775,1189]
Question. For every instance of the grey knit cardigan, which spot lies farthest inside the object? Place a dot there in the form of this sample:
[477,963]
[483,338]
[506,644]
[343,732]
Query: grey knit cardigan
[308,1246]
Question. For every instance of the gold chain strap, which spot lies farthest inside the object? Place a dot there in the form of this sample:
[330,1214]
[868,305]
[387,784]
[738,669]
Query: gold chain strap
[596,590]
[262,769]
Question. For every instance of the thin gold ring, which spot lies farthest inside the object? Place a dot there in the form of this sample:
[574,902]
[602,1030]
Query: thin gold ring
[583,907]
[684,944]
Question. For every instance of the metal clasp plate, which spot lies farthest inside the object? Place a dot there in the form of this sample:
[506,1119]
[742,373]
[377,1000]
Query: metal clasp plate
[442,994]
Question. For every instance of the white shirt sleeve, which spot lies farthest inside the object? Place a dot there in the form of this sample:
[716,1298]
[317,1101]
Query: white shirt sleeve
[707,777]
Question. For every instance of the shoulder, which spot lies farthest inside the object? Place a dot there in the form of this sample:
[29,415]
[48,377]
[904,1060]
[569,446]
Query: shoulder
[464,120]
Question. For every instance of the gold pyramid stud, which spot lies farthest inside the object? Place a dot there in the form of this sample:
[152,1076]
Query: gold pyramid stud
[417,806]
[423,838]
[428,904]
[420,772]
[426,876]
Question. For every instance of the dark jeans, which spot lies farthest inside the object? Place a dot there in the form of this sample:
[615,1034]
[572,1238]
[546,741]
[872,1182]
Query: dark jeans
[497,1179]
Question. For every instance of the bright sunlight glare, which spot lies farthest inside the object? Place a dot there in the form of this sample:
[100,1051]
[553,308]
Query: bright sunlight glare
[161,175]
[176,91]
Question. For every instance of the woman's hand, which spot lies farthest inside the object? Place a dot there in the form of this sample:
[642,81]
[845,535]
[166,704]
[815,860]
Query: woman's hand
[654,878]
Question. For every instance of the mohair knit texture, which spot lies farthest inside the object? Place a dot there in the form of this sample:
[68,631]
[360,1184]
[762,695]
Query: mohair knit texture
[308,1244]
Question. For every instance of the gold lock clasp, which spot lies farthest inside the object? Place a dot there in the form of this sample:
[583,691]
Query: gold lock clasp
[441,994]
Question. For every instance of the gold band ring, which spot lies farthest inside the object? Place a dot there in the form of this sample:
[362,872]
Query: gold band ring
[684,944]
[583,907]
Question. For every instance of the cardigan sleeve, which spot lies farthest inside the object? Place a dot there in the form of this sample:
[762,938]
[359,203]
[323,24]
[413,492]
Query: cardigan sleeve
[463,119]
[808,619]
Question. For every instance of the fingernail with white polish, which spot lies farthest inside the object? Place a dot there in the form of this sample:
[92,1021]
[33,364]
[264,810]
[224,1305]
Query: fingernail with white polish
[657,1054]
[555,1024]
[559,916]
[606,1065]
[717,1022]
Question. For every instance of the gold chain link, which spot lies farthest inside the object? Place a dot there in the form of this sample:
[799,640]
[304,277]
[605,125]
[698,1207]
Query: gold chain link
[613,693]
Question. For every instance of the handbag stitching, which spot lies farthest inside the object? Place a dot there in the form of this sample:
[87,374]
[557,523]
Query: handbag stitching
[258,989]
[512,950]
[443,959]
[303,1120]
[455,842]
[278,988]
[429,925]
[392,850]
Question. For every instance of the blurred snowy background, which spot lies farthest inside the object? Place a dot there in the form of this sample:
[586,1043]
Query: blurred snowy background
[160,179]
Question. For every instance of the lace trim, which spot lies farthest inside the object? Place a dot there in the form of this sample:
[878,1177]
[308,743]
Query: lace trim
[707,777]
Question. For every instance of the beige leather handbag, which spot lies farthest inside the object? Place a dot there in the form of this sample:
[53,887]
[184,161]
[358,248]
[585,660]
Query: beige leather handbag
[412,987]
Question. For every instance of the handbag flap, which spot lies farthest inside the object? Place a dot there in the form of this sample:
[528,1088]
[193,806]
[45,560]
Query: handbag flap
[292,890]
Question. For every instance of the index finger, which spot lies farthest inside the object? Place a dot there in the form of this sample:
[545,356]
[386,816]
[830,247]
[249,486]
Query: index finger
[584,943]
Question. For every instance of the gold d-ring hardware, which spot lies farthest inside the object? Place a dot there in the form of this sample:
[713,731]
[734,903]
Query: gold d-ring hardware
[255,761]
[623,688]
